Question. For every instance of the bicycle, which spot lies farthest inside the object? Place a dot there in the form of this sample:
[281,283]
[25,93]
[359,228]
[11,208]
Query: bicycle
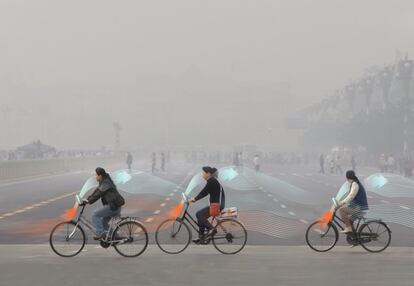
[372,234]
[228,235]
[68,238]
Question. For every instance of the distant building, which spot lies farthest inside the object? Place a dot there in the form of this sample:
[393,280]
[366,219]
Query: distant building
[36,150]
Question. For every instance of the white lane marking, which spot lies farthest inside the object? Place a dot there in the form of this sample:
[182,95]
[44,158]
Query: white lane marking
[149,219]
[162,205]
[404,207]
[269,195]
[384,201]
[37,205]
[167,199]
[1,217]
[157,212]
[295,174]
[291,213]
[304,221]
[41,178]
[282,206]
[370,197]
[275,200]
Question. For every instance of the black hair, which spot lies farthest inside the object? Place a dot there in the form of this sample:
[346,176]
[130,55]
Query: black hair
[350,175]
[101,172]
[209,170]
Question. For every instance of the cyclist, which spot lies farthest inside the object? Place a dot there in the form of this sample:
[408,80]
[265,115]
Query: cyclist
[354,203]
[217,201]
[111,199]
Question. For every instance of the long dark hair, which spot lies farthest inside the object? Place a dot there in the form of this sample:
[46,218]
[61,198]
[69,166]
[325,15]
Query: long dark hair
[101,172]
[210,170]
[350,175]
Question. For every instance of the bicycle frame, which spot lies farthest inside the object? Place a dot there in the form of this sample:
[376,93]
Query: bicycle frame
[186,216]
[338,222]
[81,220]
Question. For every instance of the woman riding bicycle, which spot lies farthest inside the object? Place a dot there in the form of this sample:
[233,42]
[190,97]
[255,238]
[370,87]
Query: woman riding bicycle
[354,203]
[217,201]
[111,200]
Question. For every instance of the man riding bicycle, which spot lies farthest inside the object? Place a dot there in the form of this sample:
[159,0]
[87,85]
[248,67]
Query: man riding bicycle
[217,201]
[111,199]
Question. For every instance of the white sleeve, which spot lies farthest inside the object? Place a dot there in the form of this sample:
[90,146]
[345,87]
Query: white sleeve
[352,194]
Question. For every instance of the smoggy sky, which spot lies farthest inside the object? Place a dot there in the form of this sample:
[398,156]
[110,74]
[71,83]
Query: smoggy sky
[305,49]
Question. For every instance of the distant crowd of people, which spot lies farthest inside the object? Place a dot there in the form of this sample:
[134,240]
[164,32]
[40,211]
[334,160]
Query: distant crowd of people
[402,165]
[336,163]
[18,155]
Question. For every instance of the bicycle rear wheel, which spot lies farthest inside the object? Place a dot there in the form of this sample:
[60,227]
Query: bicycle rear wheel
[67,239]
[173,236]
[230,236]
[374,236]
[321,236]
[130,238]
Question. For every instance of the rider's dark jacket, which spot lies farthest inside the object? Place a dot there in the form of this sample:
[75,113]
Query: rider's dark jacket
[108,194]
[214,189]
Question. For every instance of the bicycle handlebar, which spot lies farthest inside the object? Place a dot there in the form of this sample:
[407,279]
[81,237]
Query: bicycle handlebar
[185,198]
[335,203]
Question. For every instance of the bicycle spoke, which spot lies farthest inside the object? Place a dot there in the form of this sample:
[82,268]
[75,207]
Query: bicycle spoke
[67,239]
[135,241]
[172,236]
[231,236]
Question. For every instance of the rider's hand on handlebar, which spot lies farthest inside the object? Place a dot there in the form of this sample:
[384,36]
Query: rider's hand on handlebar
[84,202]
[192,200]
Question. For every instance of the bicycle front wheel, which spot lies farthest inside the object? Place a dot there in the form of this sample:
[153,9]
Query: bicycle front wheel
[321,236]
[67,239]
[173,236]
[230,236]
[374,236]
[130,238]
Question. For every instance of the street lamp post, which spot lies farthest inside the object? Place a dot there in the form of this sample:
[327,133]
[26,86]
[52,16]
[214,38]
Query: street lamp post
[385,79]
[350,92]
[367,87]
[118,129]
[405,70]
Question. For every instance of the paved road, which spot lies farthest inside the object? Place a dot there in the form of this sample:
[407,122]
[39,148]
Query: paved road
[22,265]
[29,209]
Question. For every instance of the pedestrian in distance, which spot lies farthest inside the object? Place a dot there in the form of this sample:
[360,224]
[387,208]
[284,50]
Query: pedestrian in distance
[154,162]
[129,160]
[322,164]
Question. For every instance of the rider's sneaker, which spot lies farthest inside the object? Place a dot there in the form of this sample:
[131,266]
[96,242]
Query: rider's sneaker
[199,240]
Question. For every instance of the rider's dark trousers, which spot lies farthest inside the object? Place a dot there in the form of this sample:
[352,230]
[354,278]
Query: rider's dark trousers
[102,216]
[202,219]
